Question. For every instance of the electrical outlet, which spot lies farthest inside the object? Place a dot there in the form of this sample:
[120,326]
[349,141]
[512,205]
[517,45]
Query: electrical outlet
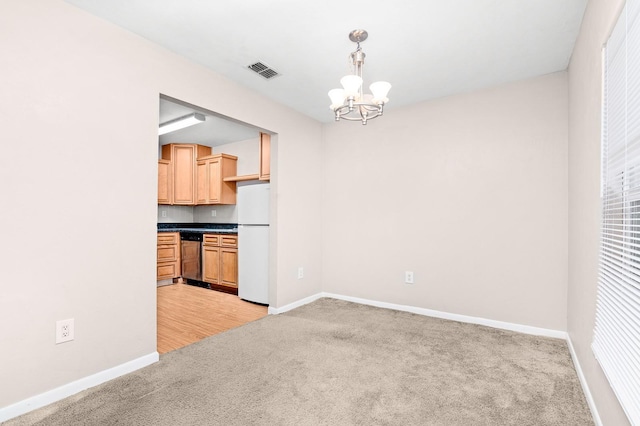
[213,213]
[163,213]
[408,277]
[64,330]
[300,272]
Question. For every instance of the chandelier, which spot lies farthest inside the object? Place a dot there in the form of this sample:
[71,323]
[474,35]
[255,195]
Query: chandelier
[350,103]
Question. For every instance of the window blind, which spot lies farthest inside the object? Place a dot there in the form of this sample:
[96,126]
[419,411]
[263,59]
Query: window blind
[616,342]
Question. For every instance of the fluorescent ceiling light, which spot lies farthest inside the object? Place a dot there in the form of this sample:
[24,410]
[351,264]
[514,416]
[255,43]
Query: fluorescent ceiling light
[180,123]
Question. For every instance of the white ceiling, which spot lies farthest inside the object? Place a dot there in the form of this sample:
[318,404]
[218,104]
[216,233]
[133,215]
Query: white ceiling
[425,48]
[214,131]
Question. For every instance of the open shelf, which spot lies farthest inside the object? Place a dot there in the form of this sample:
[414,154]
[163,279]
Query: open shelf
[240,178]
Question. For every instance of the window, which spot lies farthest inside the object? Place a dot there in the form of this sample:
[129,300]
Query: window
[616,342]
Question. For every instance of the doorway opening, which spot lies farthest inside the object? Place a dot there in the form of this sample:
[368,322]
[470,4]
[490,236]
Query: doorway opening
[188,313]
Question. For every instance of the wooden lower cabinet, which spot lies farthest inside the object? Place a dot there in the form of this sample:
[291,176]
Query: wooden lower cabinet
[229,266]
[220,260]
[211,264]
[168,255]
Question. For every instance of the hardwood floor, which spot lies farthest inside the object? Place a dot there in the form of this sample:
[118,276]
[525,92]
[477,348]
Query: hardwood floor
[187,314]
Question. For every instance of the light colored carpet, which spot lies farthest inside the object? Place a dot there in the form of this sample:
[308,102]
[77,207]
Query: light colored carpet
[339,363]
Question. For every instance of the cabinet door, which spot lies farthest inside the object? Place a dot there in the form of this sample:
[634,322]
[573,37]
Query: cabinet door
[228,241]
[167,270]
[209,181]
[168,238]
[164,182]
[167,253]
[203,182]
[215,181]
[211,264]
[229,266]
[211,240]
[265,157]
[183,158]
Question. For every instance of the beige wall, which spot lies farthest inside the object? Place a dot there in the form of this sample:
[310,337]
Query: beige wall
[248,153]
[80,117]
[468,192]
[584,196]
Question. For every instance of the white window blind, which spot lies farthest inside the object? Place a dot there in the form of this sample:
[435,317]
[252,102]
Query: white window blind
[616,342]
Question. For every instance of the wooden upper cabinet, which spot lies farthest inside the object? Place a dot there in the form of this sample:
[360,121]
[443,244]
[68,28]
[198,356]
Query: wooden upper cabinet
[182,168]
[211,188]
[164,182]
[265,157]
[183,174]
[202,177]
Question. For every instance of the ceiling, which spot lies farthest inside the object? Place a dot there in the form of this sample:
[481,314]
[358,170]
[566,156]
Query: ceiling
[425,48]
[214,131]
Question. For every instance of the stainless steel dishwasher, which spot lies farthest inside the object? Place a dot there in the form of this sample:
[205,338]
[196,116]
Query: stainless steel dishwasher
[191,250]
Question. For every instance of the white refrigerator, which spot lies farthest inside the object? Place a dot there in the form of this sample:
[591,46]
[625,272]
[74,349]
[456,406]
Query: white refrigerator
[253,241]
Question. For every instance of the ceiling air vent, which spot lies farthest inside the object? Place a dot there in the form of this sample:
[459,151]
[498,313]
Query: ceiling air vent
[264,70]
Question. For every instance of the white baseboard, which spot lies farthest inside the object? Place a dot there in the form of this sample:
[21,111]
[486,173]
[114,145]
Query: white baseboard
[526,329]
[296,304]
[583,382]
[72,388]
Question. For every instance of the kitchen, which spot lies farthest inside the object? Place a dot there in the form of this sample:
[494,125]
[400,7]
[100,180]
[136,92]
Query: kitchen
[213,221]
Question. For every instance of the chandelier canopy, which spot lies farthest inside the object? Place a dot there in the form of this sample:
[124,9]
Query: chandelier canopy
[350,103]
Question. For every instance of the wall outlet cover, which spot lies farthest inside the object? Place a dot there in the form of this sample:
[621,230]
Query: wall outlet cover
[65,330]
[408,277]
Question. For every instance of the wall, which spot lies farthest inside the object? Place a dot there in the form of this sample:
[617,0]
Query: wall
[71,85]
[468,192]
[248,153]
[223,214]
[176,214]
[585,74]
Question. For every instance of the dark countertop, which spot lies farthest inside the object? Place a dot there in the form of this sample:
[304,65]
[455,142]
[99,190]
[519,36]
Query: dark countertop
[216,228]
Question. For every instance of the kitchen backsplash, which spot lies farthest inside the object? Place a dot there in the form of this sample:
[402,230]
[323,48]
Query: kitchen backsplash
[197,214]
[223,214]
[175,214]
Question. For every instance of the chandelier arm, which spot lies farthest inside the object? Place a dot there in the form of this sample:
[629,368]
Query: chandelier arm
[344,117]
[344,109]
[364,117]
[368,107]
[356,105]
